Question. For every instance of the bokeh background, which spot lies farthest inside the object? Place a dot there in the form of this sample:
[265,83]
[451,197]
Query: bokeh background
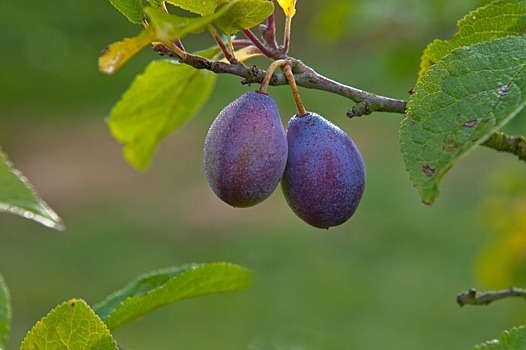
[387,279]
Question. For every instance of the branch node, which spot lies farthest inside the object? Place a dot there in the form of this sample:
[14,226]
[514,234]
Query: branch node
[254,75]
[361,108]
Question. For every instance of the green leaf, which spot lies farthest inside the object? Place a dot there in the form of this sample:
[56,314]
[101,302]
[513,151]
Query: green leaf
[201,7]
[156,3]
[17,196]
[132,9]
[495,20]
[151,291]
[5,313]
[71,325]
[244,14]
[158,102]
[169,27]
[514,339]
[460,102]
[116,54]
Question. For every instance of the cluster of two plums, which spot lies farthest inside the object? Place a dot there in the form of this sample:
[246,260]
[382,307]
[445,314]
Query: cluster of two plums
[247,152]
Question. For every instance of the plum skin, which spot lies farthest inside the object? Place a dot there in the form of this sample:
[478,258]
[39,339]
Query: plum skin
[245,150]
[324,179]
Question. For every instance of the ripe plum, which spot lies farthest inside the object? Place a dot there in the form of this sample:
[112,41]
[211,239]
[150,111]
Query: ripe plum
[245,150]
[325,175]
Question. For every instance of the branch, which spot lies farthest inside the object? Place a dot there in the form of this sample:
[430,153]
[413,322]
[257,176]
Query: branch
[306,77]
[472,297]
[259,44]
[504,143]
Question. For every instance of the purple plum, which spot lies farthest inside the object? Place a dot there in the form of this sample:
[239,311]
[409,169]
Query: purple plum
[325,175]
[245,150]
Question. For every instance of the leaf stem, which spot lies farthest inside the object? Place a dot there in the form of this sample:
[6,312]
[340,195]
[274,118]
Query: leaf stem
[226,51]
[241,42]
[268,32]
[254,39]
[472,297]
[286,35]
[177,47]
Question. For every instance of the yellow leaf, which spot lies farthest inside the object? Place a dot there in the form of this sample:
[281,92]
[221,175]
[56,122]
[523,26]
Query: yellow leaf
[116,54]
[246,53]
[288,6]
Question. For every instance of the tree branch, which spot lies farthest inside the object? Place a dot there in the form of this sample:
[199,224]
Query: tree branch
[306,77]
[472,297]
[511,144]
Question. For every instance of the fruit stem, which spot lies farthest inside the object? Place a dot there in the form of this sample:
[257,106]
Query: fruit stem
[268,76]
[287,69]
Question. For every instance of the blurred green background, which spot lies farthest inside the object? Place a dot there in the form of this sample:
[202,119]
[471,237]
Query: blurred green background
[387,279]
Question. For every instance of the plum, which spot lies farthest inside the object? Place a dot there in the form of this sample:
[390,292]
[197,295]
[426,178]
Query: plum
[324,178]
[245,150]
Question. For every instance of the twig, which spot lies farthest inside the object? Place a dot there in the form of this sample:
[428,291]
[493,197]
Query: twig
[504,143]
[472,297]
[226,51]
[305,77]
[241,42]
[254,39]
[268,32]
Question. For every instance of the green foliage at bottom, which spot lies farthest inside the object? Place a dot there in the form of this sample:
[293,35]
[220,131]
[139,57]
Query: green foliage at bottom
[71,325]
[514,339]
[151,291]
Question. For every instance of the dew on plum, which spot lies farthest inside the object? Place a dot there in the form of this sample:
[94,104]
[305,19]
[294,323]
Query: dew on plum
[245,150]
[324,178]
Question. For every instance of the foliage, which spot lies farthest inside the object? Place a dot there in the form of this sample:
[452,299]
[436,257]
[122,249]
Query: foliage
[459,103]
[469,88]
[159,288]
[17,196]
[141,120]
[513,339]
[71,325]
[75,325]
[474,87]
[496,20]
